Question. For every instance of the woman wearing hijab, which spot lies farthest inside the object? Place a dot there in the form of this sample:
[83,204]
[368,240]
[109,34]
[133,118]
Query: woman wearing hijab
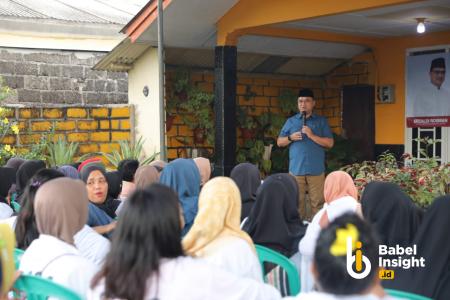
[393,214]
[25,223]
[216,234]
[114,179]
[7,178]
[159,165]
[145,175]
[248,179]
[102,209]
[24,173]
[433,244]
[183,177]
[340,196]
[274,221]
[54,255]
[14,162]
[147,260]
[69,171]
[204,167]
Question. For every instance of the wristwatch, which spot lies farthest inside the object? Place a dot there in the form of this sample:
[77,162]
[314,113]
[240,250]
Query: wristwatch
[289,138]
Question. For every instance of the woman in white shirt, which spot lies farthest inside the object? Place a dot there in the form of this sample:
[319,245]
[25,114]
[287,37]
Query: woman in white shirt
[340,196]
[146,260]
[216,235]
[61,211]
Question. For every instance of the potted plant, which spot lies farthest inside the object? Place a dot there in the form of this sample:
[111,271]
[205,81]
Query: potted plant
[247,123]
[199,117]
[288,101]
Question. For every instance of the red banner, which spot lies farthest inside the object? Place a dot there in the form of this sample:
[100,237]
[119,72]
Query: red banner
[428,122]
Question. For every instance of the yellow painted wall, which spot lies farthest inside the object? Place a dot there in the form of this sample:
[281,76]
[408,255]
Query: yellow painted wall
[390,59]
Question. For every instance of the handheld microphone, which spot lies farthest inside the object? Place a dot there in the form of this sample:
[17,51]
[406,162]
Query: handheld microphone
[304,118]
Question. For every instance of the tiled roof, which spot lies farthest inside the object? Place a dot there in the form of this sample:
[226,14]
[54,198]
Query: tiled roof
[77,11]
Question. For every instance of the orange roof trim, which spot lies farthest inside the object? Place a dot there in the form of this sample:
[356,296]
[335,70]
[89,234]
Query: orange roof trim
[143,19]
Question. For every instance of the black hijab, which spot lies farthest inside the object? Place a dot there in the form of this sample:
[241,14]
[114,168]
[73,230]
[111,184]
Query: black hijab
[25,172]
[114,179]
[247,178]
[110,205]
[274,221]
[15,162]
[7,179]
[393,214]
[433,244]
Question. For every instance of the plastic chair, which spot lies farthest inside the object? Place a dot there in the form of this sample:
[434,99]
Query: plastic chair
[38,288]
[405,295]
[15,206]
[17,256]
[267,255]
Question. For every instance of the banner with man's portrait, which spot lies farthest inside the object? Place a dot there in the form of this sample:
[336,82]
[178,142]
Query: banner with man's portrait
[427,90]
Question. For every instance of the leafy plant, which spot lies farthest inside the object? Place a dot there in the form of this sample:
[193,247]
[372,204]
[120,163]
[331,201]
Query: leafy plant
[199,109]
[128,151]
[288,101]
[343,153]
[60,152]
[244,119]
[422,179]
[7,127]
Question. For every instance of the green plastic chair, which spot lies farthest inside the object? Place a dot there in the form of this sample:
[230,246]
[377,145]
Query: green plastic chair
[17,256]
[405,295]
[15,206]
[38,288]
[268,255]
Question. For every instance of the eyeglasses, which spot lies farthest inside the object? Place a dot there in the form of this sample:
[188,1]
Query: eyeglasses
[100,182]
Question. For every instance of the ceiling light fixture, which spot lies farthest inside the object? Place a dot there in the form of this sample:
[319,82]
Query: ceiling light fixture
[420,25]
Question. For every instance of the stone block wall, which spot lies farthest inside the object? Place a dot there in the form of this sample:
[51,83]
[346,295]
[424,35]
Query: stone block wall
[94,128]
[60,77]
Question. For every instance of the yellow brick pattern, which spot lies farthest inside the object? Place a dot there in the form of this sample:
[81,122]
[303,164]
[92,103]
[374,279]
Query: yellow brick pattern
[87,125]
[120,112]
[120,135]
[52,113]
[101,136]
[91,127]
[99,112]
[41,126]
[77,113]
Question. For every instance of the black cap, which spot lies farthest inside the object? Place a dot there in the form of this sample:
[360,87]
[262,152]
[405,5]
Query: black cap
[437,63]
[306,93]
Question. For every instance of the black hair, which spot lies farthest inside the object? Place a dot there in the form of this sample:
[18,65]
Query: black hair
[148,230]
[127,168]
[332,272]
[26,228]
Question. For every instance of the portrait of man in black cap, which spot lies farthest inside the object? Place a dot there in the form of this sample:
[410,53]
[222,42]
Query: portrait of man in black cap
[432,98]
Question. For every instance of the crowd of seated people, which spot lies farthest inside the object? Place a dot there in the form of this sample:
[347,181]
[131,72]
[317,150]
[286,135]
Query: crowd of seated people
[168,231]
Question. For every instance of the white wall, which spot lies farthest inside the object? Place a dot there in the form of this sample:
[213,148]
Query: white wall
[145,73]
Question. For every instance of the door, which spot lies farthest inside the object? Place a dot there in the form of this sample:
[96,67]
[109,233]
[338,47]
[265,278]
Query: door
[358,118]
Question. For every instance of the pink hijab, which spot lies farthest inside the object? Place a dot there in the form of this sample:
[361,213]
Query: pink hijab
[204,167]
[339,184]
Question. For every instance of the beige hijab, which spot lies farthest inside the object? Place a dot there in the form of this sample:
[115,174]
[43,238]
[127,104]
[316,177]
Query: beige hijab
[218,217]
[204,167]
[145,176]
[61,207]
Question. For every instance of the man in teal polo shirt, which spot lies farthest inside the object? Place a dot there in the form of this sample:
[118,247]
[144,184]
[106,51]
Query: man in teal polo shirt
[307,135]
